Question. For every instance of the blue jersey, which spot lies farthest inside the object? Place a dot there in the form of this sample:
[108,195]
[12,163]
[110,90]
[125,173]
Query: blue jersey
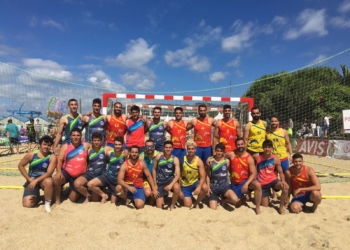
[38,166]
[114,166]
[95,125]
[97,162]
[219,174]
[72,123]
[148,161]
[165,170]
[157,134]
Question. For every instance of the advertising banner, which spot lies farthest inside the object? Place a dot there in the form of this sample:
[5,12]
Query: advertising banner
[312,147]
[339,149]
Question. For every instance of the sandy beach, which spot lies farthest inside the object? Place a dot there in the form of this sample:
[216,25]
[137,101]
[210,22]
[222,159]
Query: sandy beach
[107,226]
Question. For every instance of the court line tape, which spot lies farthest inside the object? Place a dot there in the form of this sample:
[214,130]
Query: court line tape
[330,166]
[11,168]
[332,174]
[1,162]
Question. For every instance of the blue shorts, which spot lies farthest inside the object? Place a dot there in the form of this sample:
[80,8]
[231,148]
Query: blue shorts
[187,191]
[237,188]
[69,179]
[139,194]
[34,192]
[89,176]
[180,153]
[266,189]
[108,183]
[303,199]
[218,192]
[204,153]
[285,165]
[325,127]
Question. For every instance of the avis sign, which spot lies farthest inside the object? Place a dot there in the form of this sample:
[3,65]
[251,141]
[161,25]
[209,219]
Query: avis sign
[346,120]
[312,147]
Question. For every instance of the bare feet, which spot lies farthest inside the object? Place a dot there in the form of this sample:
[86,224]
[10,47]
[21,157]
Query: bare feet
[257,211]
[104,198]
[172,207]
[87,199]
[281,210]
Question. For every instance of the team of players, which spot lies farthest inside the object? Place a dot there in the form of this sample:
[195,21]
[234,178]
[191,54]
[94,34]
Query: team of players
[147,171]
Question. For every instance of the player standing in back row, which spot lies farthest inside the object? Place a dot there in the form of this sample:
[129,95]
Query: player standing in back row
[67,123]
[227,130]
[202,132]
[254,134]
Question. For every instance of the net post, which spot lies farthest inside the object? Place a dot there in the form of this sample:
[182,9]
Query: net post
[105,98]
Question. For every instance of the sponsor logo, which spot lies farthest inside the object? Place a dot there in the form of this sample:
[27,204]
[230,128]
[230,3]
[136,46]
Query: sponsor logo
[101,156]
[45,165]
[102,122]
[81,152]
[80,158]
[224,168]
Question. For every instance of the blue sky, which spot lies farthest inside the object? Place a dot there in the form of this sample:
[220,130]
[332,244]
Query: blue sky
[170,46]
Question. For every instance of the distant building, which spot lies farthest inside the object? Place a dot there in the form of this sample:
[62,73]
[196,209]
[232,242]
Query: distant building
[41,123]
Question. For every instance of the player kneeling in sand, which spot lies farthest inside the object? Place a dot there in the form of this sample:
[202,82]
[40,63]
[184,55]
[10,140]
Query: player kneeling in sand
[71,164]
[42,163]
[243,174]
[305,186]
[116,157]
[193,177]
[130,177]
[267,164]
[166,173]
[218,178]
[96,167]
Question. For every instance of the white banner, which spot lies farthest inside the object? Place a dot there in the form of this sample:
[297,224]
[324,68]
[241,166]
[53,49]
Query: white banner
[339,149]
[346,119]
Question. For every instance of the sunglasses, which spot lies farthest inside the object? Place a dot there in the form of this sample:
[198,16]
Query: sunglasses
[149,147]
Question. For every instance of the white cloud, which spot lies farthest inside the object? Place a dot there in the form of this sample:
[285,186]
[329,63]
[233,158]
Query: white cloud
[202,23]
[344,6]
[320,58]
[187,55]
[88,19]
[241,37]
[309,22]
[101,79]
[279,20]
[217,76]
[33,21]
[239,73]
[340,22]
[47,68]
[136,55]
[141,80]
[88,66]
[52,23]
[235,63]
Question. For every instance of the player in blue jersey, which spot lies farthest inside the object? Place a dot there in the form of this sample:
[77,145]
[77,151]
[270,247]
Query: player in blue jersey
[95,122]
[218,177]
[42,163]
[67,123]
[166,175]
[96,166]
[115,158]
[156,129]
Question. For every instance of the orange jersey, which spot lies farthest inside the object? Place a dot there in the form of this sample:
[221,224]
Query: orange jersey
[178,134]
[134,174]
[300,181]
[202,133]
[239,169]
[116,127]
[228,135]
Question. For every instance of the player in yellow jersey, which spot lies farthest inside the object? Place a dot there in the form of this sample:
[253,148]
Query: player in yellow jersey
[193,177]
[254,134]
[281,143]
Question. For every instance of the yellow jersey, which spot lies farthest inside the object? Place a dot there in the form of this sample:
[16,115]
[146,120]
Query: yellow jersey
[279,143]
[256,137]
[190,172]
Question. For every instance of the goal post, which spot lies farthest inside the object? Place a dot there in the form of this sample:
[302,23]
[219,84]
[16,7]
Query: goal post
[169,102]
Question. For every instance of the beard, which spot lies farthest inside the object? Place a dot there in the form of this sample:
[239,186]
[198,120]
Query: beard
[202,115]
[240,149]
[256,118]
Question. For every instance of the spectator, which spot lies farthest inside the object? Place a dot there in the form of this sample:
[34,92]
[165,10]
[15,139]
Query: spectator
[291,123]
[313,127]
[326,124]
[21,131]
[14,133]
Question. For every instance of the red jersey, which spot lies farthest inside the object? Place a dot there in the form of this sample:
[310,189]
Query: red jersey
[266,170]
[300,180]
[116,127]
[202,133]
[178,134]
[136,133]
[134,174]
[228,134]
[239,169]
[74,161]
